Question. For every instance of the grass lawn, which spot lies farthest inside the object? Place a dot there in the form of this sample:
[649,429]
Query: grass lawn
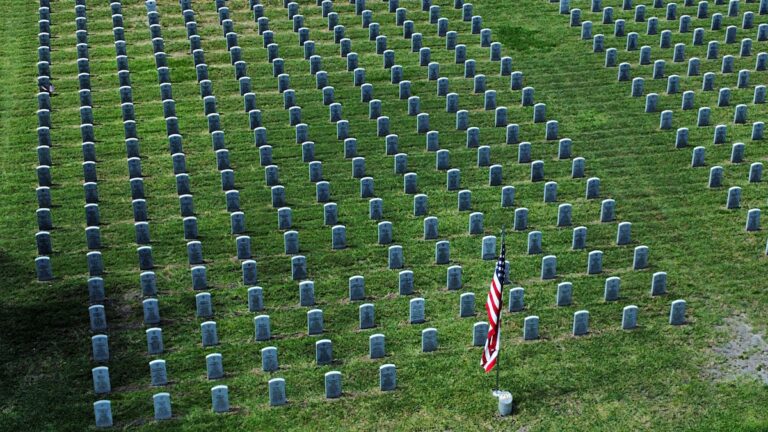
[656,377]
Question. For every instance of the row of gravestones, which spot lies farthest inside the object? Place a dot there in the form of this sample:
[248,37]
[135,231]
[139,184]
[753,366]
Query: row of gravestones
[539,112]
[223,17]
[92,215]
[652,26]
[724,96]
[679,49]
[298,28]
[328,99]
[324,347]
[441,248]
[324,350]
[97,312]
[384,232]
[482,333]
[400,159]
[43,267]
[148,280]
[102,409]
[204,306]
[324,355]
[702,9]
[220,393]
[673,84]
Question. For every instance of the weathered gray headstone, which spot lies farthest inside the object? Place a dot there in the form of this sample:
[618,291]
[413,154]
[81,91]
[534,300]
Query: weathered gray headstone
[659,283]
[269,361]
[521,219]
[753,220]
[629,317]
[102,410]
[323,352]
[262,328]
[162,406]
[255,299]
[395,258]
[640,260]
[314,321]
[157,373]
[154,341]
[548,267]
[101,382]
[534,242]
[277,391]
[580,323]
[209,333]
[677,309]
[479,333]
[220,399]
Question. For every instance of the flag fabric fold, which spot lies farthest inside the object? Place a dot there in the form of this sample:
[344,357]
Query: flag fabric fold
[493,308]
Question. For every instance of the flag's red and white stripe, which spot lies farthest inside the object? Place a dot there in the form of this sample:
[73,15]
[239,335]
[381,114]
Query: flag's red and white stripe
[493,307]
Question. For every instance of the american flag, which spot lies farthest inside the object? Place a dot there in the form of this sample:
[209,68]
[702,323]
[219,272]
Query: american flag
[493,307]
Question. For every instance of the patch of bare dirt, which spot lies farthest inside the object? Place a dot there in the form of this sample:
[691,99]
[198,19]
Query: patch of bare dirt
[744,355]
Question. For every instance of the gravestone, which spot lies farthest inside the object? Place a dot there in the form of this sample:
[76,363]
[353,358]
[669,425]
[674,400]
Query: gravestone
[611,291]
[306,293]
[595,262]
[269,361]
[102,410]
[488,251]
[338,236]
[429,340]
[467,305]
[659,283]
[521,219]
[250,274]
[154,341]
[157,373]
[151,311]
[209,333]
[323,352]
[548,267]
[416,311]
[534,242]
[255,299]
[388,376]
[366,316]
[220,399]
[479,333]
[580,323]
[677,310]
[333,384]
[454,277]
[564,212]
[531,328]
[753,220]
[376,344]
[162,405]
[262,328]
[629,317]
[564,294]
[277,392]
[314,321]
[101,382]
[395,258]
[516,299]
[100,348]
[640,259]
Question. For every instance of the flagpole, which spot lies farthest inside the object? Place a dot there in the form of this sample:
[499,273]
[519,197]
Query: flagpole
[501,308]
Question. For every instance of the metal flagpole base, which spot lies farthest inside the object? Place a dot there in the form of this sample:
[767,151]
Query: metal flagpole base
[505,402]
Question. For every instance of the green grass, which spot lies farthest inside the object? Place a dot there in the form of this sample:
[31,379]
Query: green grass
[653,378]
